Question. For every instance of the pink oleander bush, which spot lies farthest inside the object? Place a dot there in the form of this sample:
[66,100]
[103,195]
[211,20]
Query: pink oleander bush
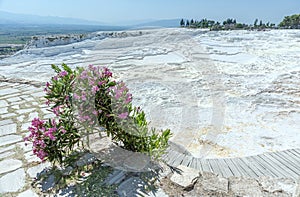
[84,100]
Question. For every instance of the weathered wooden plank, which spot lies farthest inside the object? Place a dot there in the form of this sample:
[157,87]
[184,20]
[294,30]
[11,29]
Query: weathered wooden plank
[214,166]
[260,171]
[269,165]
[193,163]
[190,162]
[198,164]
[172,155]
[296,155]
[186,160]
[283,169]
[205,166]
[251,170]
[232,167]
[177,160]
[256,160]
[291,156]
[297,151]
[292,164]
[224,168]
[243,168]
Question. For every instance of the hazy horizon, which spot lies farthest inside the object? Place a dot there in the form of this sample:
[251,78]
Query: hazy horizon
[117,12]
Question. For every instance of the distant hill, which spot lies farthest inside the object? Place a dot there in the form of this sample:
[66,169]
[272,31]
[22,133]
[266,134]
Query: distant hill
[23,19]
[7,18]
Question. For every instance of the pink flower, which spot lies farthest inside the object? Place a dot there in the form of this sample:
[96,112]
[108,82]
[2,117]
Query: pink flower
[63,73]
[41,154]
[76,96]
[83,97]
[95,89]
[36,122]
[83,75]
[91,67]
[107,72]
[55,78]
[50,132]
[123,115]
[25,140]
[47,84]
[118,95]
[56,110]
[128,99]
[91,82]
[95,112]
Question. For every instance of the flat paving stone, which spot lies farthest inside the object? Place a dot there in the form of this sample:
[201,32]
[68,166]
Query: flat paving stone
[20,118]
[8,91]
[14,99]
[3,149]
[8,115]
[34,103]
[38,94]
[6,121]
[25,126]
[12,182]
[24,111]
[9,165]
[3,103]
[6,154]
[185,177]
[27,193]
[9,139]
[33,115]
[3,110]
[15,107]
[8,129]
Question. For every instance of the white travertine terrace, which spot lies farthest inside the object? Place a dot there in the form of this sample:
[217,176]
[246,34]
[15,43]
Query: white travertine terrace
[223,94]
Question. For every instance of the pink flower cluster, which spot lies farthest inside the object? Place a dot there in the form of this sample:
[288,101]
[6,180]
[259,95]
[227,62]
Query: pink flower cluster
[122,97]
[88,83]
[92,80]
[40,135]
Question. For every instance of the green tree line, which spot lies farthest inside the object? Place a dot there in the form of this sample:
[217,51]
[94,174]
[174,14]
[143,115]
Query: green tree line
[290,22]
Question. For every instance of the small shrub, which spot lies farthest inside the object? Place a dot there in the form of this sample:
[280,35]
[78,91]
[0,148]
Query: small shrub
[84,100]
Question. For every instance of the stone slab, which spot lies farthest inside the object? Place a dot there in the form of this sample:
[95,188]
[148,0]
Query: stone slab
[185,176]
[3,103]
[3,110]
[12,182]
[8,91]
[6,121]
[9,165]
[9,139]
[8,129]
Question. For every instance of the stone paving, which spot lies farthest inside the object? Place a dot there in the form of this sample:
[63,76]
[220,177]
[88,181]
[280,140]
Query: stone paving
[19,104]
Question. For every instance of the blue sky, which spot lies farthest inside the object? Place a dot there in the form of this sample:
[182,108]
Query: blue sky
[119,11]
